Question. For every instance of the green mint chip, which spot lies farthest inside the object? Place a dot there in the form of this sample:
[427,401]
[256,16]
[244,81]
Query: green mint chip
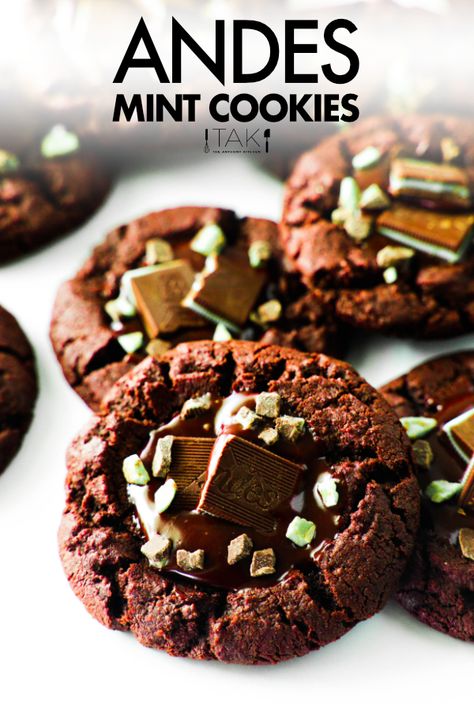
[164,495]
[442,490]
[221,333]
[374,198]
[367,158]
[390,275]
[417,427]
[158,251]
[259,253]
[327,490]
[135,471]
[131,342]
[301,531]
[8,161]
[59,142]
[209,240]
[119,308]
[247,418]
[349,194]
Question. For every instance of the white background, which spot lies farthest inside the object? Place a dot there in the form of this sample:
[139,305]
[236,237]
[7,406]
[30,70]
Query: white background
[52,654]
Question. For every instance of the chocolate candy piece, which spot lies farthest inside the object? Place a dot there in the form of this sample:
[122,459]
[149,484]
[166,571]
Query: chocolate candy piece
[162,457]
[188,469]
[158,251]
[269,435]
[290,428]
[247,418]
[460,431]
[196,406]
[239,548]
[445,185]
[225,291]
[423,453]
[157,550]
[466,542]
[190,561]
[246,483]
[263,563]
[466,499]
[158,297]
[157,347]
[442,235]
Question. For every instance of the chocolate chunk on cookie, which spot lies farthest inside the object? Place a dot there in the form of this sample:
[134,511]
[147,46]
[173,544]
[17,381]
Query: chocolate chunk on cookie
[289,542]
[134,296]
[49,184]
[381,219]
[438,396]
[18,386]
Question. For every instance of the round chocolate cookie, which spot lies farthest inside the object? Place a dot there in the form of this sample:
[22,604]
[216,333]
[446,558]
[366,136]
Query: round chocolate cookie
[436,400]
[241,502]
[125,302]
[49,184]
[381,218]
[17,386]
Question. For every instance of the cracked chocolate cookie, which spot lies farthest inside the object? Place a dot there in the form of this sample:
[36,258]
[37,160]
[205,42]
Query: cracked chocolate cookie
[436,404]
[49,185]
[239,502]
[381,218]
[181,275]
[17,386]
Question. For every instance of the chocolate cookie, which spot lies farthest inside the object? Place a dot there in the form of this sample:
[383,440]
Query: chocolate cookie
[436,402]
[17,386]
[224,269]
[240,502]
[49,184]
[381,218]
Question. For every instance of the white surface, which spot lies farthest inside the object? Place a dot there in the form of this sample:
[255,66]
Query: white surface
[52,654]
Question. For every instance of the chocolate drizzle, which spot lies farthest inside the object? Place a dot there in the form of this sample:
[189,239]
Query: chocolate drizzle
[192,530]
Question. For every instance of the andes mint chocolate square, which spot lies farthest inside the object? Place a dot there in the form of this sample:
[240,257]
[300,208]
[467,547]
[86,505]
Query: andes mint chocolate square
[445,185]
[460,432]
[190,560]
[246,483]
[263,563]
[190,457]
[466,499]
[442,235]
[159,294]
[225,291]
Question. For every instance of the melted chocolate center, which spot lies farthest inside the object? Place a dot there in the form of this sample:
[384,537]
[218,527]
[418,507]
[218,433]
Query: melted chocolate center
[192,530]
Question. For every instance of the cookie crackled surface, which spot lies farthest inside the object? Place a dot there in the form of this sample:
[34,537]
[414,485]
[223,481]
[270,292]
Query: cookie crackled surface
[181,274]
[18,386]
[380,218]
[239,502]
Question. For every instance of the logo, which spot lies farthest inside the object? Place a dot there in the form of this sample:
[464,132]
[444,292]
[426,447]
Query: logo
[232,140]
